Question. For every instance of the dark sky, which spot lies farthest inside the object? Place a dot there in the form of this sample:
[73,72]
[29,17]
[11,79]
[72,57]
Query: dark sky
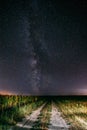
[43,47]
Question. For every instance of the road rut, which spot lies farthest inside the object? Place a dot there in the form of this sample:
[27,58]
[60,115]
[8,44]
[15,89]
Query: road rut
[56,120]
[28,122]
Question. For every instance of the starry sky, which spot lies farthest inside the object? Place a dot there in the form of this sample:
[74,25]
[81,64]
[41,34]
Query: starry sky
[43,47]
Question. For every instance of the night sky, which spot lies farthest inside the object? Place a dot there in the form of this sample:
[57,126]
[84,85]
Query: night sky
[43,47]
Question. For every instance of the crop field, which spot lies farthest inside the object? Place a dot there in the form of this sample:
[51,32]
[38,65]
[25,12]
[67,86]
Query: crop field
[43,112]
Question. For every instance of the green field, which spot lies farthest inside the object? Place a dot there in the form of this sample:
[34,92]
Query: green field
[14,109]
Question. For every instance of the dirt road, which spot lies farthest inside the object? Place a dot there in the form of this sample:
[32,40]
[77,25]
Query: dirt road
[56,120]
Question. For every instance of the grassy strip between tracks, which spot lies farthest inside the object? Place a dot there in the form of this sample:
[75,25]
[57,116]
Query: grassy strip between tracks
[44,118]
[75,113]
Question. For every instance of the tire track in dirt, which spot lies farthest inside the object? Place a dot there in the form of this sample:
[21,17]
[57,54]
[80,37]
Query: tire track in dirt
[28,122]
[56,120]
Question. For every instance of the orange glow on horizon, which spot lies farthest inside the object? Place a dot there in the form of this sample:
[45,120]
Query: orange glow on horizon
[6,93]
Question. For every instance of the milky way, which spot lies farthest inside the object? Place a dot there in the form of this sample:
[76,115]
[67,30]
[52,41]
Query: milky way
[43,47]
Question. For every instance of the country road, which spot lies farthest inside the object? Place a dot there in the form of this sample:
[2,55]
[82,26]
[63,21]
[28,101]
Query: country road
[56,121]
[43,113]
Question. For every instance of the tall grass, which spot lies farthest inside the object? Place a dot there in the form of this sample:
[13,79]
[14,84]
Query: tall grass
[14,108]
[74,110]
